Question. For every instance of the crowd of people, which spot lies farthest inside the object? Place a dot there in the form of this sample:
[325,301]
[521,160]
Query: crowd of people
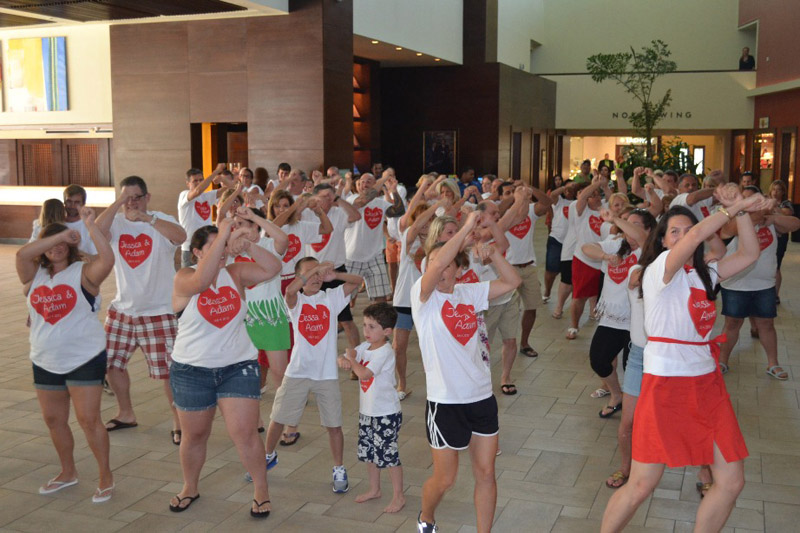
[268,278]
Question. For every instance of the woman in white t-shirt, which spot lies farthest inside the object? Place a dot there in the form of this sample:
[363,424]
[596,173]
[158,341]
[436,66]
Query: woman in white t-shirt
[684,414]
[213,360]
[68,343]
[612,335]
[461,411]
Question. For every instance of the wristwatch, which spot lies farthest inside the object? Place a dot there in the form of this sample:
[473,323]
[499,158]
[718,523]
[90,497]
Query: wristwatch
[153,220]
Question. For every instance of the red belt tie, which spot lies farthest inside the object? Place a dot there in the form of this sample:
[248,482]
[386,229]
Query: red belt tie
[714,344]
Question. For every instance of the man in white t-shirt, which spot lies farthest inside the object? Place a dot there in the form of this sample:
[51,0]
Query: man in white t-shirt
[364,239]
[332,247]
[194,206]
[141,314]
[74,201]
[699,201]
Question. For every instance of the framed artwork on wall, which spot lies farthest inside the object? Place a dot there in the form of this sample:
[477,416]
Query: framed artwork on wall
[37,74]
[439,151]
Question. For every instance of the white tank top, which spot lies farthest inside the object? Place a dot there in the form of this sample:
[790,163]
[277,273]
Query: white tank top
[211,329]
[65,331]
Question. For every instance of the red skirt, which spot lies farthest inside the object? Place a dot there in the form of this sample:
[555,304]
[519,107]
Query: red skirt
[678,419]
[585,279]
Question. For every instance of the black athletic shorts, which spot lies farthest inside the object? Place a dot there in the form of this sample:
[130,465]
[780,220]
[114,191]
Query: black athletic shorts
[451,425]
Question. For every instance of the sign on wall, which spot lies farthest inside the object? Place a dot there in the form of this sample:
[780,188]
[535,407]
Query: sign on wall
[37,74]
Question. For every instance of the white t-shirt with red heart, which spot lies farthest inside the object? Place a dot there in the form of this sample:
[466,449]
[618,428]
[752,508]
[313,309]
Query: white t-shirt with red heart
[300,235]
[613,305]
[761,274]
[447,327]
[211,329]
[588,229]
[65,332]
[315,325]
[144,267]
[364,238]
[520,239]
[408,273]
[378,396]
[678,310]
[331,246]
[560,223]
[194,214]
[701,209]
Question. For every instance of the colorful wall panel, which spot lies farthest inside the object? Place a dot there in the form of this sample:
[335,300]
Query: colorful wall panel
[37,74]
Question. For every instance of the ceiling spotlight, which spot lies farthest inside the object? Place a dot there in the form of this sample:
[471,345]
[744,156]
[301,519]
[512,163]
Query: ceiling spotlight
[398,48]
[375,42]
[419,54]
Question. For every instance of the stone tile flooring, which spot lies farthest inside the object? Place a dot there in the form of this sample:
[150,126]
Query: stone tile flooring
[556,451]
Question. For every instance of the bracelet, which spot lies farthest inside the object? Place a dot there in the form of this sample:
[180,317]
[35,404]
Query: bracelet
[153,220]
[725,212]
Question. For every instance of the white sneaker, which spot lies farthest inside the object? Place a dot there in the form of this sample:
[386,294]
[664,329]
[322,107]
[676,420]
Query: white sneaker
[340,484]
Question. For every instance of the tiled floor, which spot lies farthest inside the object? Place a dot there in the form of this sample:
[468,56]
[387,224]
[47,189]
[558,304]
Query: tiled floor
[556,451]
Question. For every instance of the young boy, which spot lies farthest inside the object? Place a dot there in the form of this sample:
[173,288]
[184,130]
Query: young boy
[379,406]
[312,367]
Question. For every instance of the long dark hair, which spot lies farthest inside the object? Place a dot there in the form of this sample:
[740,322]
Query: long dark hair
[649,222]
[654,247]
[200,238]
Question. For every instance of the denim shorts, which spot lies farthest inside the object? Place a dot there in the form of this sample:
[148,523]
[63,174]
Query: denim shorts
[196,388]
[404,318]
[743,304]
[632,382]
[553,259]
[88,374]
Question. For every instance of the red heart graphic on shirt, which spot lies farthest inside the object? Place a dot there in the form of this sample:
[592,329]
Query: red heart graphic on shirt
[521,229]
[619,273]
[203,209]
[53,304]
[373,216]
[705,211]
[566,211]
[293,249]
[468,277]
[702,311]
[764,238]
[314,323]
[219,308]
[460,321]
[135,250]
[366,383]
[595,223]
[317,247]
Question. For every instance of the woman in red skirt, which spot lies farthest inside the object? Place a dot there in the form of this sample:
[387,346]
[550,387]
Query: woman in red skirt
[684,415]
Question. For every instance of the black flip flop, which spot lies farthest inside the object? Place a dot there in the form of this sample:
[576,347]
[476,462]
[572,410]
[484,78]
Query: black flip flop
[119,424]
[293,436]
[614,409]
[261,514]
[178,508]
[509,389]
[176,433]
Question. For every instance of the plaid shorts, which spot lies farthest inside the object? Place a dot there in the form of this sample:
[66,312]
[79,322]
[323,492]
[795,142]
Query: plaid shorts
[374,274]
[155,335]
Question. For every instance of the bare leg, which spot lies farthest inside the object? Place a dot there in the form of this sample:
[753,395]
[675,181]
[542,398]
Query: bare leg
[336,441]
[55,412]
[398,498]
[768,338]
[176,422]
[120,382]
[575,312]
[483,452]
[718,502]
[241,419]
[509,355]
[611,384]
[778,280]
[273,435]
[549,280]
[623,504]
[732,327]
[564,290]
[625,434]
[394,270]
[528,320]
[374,492]
[278,361]
[87,410]
[445,469]
[400,345]
[196,429]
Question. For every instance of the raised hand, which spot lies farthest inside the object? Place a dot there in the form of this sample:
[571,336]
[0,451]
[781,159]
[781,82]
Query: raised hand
[343,363]
[613,259]
[87,215]
[71,237]
[606,214]
[326,271]
[224,226]
[729,194]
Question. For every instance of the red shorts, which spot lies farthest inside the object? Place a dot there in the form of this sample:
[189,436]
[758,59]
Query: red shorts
[585,279]
[392,251]
[155,335]
[679,419]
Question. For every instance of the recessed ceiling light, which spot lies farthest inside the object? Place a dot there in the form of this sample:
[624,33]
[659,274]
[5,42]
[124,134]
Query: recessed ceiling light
[437,59]
[398,47]
[375,42]
[419,54]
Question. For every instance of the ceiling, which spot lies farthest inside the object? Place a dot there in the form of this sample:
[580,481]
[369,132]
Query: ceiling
[389,56]
[16,13]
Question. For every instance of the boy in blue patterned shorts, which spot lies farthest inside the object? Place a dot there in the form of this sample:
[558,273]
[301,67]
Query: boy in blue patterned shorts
[380,417]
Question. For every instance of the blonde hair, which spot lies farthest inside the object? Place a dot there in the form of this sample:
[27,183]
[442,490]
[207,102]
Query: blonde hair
[437,228]
[450,184]
[273,201]
[52,211]
[624,197]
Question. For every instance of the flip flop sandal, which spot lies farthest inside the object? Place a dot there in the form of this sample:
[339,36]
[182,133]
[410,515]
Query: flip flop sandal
[403,394]
[778,373]
[509,389]
[614,409]
[178,508]
[572,333]
[702,488]
[288,439]
[617,480]
[558,315]
[103,495]
[176,433]
[723,368]
[527,351]
[119,424]
[259,514]
[599,393]
[54,486]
